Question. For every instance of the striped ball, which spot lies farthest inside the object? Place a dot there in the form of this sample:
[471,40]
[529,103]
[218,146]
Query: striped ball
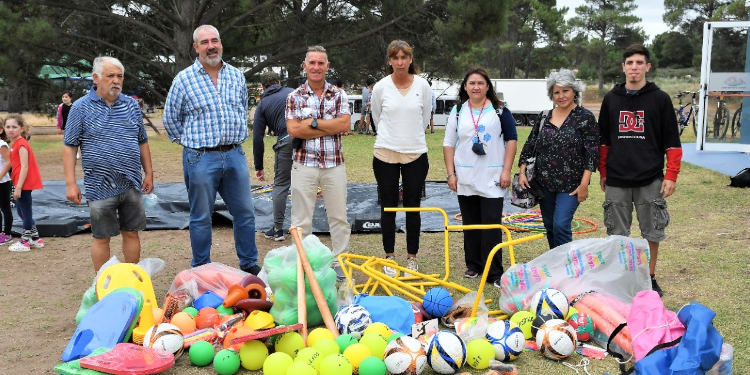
[446,352]
[165,337]
[507,339]
[549,302]
[556,339]
[405,356]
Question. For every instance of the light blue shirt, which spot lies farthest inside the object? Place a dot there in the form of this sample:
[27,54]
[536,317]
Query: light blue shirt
[199,113]
[110,139]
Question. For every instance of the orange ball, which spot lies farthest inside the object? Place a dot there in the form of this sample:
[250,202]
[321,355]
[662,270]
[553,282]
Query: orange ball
[184,322]
[158,315]
[236,331]
[207,318]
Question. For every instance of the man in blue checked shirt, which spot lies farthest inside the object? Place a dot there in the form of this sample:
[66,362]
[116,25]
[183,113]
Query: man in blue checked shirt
[317,113]
[206,112]
[108,128]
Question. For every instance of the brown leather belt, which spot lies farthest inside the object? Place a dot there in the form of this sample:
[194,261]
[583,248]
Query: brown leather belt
[220,148]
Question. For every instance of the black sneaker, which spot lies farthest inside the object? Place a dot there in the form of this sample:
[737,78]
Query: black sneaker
[470,274]
[497,284]
[274,234]
[255,269]
[655,287]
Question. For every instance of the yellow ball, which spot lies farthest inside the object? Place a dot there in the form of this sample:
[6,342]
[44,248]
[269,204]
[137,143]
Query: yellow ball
[311,356]
[375,343]
[479,352]
[335,364]
[277,364]
[379,328]
[524,319]
[326,347]
[356,353]
[572,310]
[317,334]
[253,354]
[301,368]
[290,343]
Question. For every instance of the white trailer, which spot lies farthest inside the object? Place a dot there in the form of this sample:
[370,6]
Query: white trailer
[524,97]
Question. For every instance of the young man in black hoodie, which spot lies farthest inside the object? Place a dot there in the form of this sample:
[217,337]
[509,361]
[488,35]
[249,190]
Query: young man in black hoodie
[270,113]
[638,128]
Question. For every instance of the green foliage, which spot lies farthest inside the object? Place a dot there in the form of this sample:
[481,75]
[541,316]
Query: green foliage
[673,49]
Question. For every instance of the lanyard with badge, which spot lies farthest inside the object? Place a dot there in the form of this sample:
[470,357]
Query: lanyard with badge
[477,145]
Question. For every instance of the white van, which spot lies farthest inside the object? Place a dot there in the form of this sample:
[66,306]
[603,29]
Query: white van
[355,108]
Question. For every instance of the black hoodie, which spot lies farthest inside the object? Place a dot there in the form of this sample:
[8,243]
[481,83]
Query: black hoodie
[638,128]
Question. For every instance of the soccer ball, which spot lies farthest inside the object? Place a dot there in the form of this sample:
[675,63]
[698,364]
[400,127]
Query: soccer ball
[556,339]
[166,337]
[446,352]
[352,319]
[549,302]
[507,339]
[405,356]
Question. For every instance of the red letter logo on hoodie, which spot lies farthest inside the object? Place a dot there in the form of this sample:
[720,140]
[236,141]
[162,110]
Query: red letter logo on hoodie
[631,122]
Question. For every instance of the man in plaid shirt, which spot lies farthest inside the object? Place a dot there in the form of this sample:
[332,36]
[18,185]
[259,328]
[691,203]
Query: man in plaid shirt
[206,112]
[317,113]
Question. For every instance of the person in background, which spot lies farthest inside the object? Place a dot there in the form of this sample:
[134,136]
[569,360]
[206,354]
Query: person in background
[432,112]
[317,113]
[62,111]
[26,177]
[638,129]
[566,156]
[270,113]
[479,148]
[367,106]
[6,214]
[401,105]
[112,162]
[206,112]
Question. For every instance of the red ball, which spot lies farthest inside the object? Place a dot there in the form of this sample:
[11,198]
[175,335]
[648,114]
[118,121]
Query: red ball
[583,325]
[207,317]
[419,313]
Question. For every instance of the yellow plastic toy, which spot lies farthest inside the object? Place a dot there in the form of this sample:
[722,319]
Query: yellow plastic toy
[128,275]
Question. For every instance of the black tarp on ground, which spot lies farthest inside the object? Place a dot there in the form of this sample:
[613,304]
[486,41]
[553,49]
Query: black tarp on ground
[57,217]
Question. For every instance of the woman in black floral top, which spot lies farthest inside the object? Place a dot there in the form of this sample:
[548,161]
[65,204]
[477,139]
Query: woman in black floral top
[567,154]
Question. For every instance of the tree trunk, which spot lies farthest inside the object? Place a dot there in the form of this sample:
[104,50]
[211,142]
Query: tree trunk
[183,34]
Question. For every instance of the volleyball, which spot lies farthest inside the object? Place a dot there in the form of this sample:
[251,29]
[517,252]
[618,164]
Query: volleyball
[556,339]
[446,352]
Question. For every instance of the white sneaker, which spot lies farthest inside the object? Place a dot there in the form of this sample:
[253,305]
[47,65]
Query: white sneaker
[37,244]
[20,246]
[390,271]
[411,263]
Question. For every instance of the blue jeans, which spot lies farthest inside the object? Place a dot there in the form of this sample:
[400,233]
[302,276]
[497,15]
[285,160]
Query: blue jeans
[23,207]
[557,214]
[209,172]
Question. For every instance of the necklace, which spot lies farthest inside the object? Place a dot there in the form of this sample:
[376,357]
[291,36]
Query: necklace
[476,123]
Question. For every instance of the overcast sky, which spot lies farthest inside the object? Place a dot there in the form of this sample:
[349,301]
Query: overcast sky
[649,11]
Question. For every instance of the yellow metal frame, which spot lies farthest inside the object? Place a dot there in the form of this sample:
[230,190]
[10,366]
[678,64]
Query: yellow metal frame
[414,285]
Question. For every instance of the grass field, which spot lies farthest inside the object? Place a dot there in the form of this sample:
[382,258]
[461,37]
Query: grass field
[705,257]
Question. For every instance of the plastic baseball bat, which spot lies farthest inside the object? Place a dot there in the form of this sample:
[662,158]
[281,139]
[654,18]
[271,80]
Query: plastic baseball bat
[265,333]
[320,300]
[301,301]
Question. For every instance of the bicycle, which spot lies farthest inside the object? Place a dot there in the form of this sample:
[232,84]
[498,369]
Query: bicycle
[737,122]
[721,119]
[682,118]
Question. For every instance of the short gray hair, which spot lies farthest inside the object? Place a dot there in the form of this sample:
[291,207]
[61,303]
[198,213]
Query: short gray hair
[564,78]
[204,27]
[320,49]
[99,62]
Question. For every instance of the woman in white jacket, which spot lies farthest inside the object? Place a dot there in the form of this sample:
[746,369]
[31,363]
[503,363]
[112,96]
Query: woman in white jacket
[401,106]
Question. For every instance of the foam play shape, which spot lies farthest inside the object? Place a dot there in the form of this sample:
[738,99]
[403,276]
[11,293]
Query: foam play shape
[127,275]
[108,322]
[130,359]
[74,367]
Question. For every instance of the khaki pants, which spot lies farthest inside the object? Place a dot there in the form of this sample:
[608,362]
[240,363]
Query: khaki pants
[332,183]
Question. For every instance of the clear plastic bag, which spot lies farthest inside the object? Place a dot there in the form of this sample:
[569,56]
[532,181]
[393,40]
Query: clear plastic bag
[467,327]
[216,277]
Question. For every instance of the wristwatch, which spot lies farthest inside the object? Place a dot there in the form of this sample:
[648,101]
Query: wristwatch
[314,123]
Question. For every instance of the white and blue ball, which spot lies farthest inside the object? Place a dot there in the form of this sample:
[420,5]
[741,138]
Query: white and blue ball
[507,339]
[352,319]
[549,301]
[446,352]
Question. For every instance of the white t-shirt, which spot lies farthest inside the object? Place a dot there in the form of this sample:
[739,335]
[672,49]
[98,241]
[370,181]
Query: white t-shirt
[5,178]
[476,174]
[401,119]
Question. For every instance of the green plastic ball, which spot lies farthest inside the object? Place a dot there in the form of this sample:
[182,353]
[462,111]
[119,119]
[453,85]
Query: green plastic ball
[201,353]
[344,341]
[226,362]
[191,310]
[224,311]
[372,366]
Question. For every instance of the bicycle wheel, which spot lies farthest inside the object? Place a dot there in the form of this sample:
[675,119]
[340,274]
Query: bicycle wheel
[736,122]
[680,123]
[721,122]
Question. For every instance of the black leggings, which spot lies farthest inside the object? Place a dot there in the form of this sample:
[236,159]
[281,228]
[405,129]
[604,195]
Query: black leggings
[412,176]
[7,214]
